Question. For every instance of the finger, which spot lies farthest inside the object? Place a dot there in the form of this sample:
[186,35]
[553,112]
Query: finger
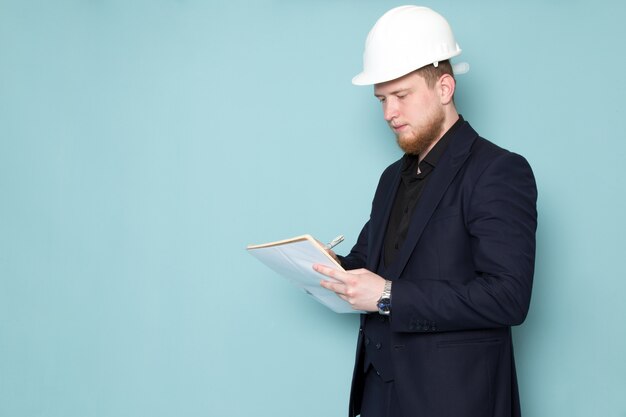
[359,271]
[337,288]
[333,286]
[343,297]
[329,272]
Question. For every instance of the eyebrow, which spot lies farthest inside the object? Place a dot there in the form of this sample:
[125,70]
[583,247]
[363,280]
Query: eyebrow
[393,93]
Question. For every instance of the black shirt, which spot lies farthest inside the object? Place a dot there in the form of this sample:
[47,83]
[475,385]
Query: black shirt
[411,185]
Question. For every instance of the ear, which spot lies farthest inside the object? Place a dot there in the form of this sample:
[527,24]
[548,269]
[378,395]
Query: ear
[447,86]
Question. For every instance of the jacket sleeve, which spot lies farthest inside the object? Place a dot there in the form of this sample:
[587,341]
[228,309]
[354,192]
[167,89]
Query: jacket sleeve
[500,218]
[357,258]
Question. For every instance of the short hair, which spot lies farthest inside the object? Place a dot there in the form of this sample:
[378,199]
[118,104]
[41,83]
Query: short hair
[431,73]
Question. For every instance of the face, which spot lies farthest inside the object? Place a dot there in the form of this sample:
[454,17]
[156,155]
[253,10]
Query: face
[413,111]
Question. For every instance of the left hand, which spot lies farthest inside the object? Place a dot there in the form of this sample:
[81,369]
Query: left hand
[359,287]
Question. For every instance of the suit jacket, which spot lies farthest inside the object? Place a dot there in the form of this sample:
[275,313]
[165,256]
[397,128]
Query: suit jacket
[463,277]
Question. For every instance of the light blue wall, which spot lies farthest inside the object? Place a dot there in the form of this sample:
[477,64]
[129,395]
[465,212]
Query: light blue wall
[144,144]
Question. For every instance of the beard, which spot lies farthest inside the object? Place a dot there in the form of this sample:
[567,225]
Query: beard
[418,140]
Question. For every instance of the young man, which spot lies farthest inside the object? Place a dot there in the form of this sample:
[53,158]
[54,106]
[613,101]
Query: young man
[444,266]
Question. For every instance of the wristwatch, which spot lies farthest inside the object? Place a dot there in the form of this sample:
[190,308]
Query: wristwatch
[384,302]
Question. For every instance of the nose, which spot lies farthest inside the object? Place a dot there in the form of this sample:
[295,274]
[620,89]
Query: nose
[390,109]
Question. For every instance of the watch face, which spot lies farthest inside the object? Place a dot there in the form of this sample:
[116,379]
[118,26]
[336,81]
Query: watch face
[384,304]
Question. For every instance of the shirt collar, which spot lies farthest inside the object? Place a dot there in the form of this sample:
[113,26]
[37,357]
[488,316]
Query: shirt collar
[410,166]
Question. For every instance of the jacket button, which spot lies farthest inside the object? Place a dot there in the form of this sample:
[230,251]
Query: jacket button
[378,345]
[367,341]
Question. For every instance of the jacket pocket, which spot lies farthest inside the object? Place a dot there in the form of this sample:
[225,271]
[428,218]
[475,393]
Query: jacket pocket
[469,342]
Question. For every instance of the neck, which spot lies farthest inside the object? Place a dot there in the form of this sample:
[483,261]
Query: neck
[450,118]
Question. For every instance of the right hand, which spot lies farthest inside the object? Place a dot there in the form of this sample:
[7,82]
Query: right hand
[330,252]
[333,255]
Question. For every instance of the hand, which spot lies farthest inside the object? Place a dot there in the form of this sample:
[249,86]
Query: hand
[333,255]
[329,251]
[359,287]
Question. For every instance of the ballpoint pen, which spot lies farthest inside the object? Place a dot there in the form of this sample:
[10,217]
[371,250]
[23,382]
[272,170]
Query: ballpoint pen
[334,242]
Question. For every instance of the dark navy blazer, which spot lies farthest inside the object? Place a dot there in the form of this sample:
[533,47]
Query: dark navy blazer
[463,277]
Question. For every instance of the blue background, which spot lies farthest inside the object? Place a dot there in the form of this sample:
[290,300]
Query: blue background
[144,144]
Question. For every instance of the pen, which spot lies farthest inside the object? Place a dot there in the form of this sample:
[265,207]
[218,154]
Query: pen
[334,242]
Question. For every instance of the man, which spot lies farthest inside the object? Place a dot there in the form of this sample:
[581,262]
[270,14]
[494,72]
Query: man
[444,265]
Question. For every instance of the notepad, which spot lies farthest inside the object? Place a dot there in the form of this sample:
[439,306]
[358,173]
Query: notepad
[293,259]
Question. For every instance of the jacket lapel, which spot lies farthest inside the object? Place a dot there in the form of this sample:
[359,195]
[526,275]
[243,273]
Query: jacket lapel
[451,161]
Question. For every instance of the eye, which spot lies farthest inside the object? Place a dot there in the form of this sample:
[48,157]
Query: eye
[381,99]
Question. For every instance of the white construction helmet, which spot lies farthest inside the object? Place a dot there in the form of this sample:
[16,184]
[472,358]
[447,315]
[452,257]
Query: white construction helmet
[404,39]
